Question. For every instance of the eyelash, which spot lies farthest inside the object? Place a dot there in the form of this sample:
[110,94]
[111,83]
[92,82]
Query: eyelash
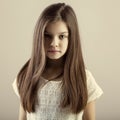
[47,36]
[61,37]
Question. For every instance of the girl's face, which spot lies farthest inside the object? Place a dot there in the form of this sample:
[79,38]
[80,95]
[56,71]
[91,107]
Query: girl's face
[56,39]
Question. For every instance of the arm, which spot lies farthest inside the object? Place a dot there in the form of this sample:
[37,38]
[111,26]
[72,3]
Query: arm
[22,113]
[89,112]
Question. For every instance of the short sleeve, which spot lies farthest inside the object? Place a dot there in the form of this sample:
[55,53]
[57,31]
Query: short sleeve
[94,90]
[15,88]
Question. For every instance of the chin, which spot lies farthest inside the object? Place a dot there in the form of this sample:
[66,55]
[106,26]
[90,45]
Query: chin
[54,57]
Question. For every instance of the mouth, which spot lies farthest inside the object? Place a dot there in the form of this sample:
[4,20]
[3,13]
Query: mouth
[53,51]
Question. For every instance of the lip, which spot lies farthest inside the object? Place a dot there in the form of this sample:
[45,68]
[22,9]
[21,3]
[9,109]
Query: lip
[53,51]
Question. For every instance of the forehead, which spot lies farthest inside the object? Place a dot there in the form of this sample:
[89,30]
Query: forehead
[56,27]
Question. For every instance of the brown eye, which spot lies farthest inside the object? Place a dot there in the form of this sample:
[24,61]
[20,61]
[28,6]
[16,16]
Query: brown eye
[62,37]
[47,36]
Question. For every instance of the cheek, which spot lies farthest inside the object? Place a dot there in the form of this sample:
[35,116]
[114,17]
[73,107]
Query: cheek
[46,44]
[65,45]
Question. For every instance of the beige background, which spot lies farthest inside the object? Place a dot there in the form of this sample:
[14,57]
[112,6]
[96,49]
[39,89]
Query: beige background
[99,23]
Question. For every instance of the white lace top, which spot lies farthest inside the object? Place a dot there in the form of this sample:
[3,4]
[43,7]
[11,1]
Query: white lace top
[49,100]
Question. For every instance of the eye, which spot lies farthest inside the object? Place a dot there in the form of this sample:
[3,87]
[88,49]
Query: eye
[62,37]
[47,36]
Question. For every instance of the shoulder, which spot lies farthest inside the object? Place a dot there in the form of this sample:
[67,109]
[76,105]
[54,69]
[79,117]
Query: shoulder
[90,78]
[15,88]
[88,73]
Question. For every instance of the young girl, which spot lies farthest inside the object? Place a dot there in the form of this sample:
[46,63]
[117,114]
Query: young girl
[54,83]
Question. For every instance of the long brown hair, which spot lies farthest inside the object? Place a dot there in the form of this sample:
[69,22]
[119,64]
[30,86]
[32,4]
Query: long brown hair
[74,86]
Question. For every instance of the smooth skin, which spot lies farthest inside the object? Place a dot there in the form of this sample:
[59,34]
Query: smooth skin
[89,112]
[22,113]
[56,38]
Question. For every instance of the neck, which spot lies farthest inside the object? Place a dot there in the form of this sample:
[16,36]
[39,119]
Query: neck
[53,68]
[54,64]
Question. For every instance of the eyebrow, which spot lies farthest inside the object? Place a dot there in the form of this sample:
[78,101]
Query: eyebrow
[58,33]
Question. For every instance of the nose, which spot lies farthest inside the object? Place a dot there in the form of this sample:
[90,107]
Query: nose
[54,42]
